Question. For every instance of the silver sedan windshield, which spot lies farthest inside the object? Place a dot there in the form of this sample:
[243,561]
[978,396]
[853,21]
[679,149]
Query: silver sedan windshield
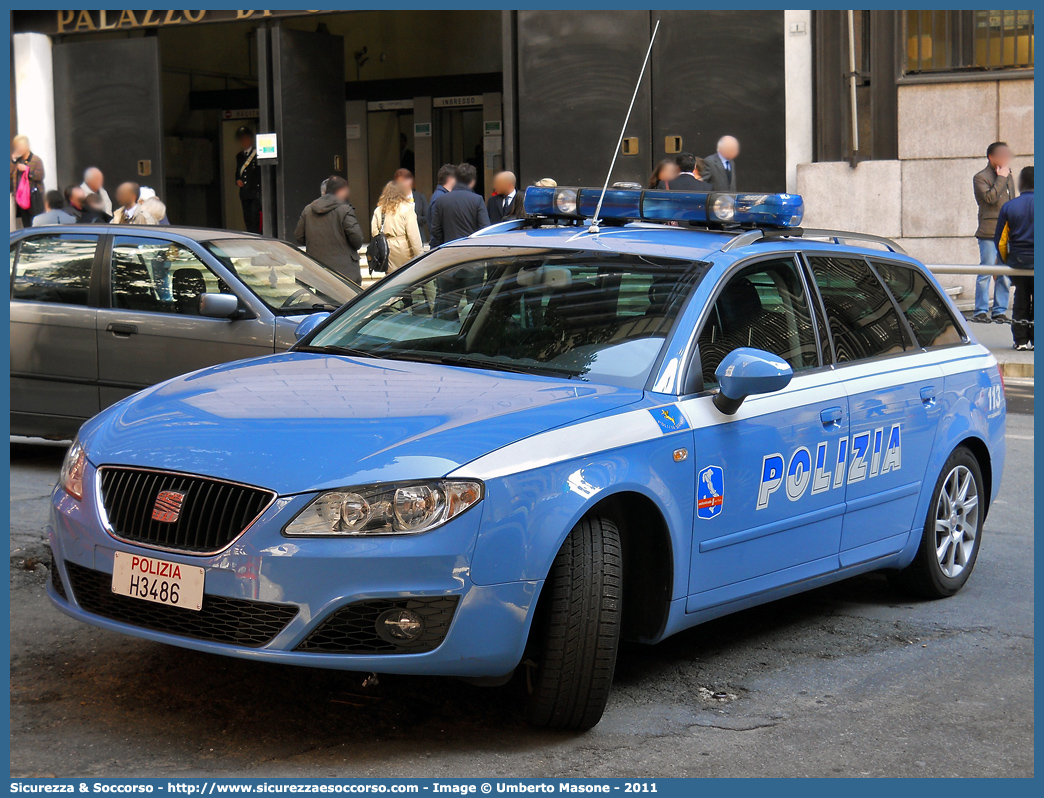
[284,278]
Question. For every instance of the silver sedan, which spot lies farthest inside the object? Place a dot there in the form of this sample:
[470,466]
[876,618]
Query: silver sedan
[98,313]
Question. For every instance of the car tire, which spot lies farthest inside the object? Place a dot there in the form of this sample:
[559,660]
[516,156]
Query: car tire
[579,631]
[952,531]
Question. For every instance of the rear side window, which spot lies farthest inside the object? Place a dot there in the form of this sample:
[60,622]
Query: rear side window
[54,269]
[928,313]
[860,314]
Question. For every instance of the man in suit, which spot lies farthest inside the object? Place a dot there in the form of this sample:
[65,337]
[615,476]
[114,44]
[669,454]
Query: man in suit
[506,202]
[447,178]
[721,166]
[461,212]
[248,179]
[457,214]
[689,179]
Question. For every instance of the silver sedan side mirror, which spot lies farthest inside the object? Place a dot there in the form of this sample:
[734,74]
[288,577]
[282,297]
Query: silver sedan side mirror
[218,306]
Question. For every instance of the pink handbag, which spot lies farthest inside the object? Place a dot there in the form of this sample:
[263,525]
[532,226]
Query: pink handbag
[24,193]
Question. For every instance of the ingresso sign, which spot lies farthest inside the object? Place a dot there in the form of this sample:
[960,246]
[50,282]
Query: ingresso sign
[66,22]
[457,102]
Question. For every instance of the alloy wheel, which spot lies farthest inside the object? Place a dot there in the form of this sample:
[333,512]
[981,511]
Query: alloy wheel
[956,521]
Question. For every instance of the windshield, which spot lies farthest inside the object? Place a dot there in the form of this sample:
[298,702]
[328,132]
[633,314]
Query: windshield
[284,278]
[596,316]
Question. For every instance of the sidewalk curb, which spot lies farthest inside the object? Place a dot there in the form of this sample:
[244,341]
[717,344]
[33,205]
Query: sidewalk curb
[1012,369]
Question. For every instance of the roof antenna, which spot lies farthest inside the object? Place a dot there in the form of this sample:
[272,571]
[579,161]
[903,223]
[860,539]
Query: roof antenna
[598,211]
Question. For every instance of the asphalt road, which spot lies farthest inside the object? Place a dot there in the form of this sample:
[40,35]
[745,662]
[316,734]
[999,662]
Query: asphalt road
[849,680]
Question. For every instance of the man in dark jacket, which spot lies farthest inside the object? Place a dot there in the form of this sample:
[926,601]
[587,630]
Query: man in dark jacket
[248,179]
[94,211]
[461,212]
[689,179]
[447,179]
[1017,214]
[721,166]
[330,232]
[993,186]
[74,197]
[456,215]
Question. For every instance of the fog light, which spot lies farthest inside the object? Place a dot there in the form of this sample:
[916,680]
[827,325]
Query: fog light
[399,624]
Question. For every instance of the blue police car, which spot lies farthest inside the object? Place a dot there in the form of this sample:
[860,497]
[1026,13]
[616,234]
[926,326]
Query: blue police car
[544,438]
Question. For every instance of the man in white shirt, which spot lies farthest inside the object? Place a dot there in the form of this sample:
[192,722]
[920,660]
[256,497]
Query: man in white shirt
[94,183]
[721,166]
[502,205]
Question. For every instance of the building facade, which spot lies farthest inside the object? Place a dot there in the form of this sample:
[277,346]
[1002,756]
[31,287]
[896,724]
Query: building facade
[933,90]
[879,118]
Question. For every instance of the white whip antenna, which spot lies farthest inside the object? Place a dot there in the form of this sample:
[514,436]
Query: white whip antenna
[598,210]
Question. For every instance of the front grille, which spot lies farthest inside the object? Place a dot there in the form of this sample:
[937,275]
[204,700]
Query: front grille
[56,580]
[221,620]
[212,513]
[353,629]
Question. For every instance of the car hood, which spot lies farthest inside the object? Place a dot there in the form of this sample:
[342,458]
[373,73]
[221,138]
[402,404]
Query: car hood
[298,422]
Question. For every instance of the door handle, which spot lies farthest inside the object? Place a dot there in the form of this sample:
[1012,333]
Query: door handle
[928,395]
[121,329]
[831,416]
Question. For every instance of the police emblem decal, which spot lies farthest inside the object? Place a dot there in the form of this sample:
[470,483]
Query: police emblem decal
[710,492]
[168,506]
[669,418]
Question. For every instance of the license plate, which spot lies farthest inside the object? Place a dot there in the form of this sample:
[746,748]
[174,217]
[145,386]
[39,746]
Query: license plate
[159,581]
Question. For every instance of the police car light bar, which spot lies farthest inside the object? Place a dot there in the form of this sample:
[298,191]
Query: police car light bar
[768,210]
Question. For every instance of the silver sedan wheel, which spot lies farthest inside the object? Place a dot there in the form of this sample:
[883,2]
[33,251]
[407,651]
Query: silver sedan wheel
[956,521]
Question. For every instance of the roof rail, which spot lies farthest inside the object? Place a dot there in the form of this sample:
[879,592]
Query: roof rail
[837,236]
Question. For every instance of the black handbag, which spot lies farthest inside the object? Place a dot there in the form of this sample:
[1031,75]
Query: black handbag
[377,251]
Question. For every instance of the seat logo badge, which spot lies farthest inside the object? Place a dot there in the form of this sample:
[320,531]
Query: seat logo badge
[710,492]
[168,506]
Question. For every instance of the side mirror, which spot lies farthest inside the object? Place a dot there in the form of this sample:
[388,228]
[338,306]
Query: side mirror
[310,324]
[218,306]
[745,372]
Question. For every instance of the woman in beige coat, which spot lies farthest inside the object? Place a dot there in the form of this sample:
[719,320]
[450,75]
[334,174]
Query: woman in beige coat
[395,209]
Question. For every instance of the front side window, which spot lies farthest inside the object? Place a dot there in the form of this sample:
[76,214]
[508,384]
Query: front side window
[593,316]
[159,276]
[928,313]
[862,320]
[54,269]
[284,278]
[764,307]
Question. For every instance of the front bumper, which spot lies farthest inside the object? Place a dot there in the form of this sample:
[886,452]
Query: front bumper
[317,578]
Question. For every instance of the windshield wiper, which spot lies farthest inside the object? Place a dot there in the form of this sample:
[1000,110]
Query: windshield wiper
[439,359]
[498,365]
[298,310]
[332,349]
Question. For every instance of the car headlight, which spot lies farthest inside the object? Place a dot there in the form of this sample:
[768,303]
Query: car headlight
[399,509]
[71,478]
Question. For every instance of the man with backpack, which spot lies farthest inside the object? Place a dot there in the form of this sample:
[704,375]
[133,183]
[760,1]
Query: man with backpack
[330,232]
